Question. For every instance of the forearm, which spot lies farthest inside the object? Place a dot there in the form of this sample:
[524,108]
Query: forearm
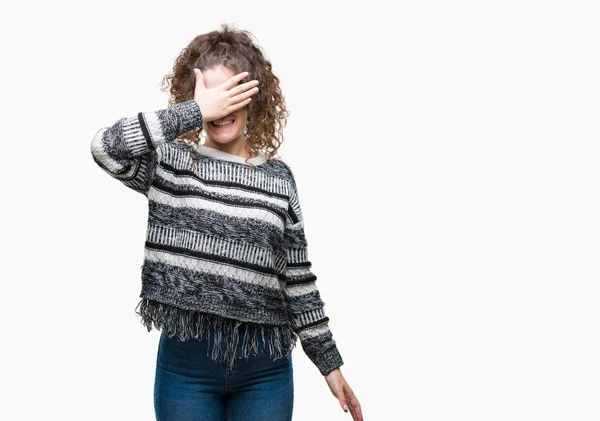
[134,136]
[127,149]
[312,327]
[307,312]
[304,303]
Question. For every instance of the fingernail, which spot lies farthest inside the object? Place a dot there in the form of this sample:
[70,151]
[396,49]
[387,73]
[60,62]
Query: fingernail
[346,408]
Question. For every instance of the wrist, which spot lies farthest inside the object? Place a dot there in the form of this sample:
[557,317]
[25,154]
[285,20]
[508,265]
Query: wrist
[335,372]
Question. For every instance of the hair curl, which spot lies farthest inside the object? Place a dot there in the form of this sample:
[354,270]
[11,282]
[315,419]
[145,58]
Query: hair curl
[237,50]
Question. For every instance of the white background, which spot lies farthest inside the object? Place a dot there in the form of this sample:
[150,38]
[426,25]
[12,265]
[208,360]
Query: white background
[446,155]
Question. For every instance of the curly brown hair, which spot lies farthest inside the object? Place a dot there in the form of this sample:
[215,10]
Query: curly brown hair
[237,50]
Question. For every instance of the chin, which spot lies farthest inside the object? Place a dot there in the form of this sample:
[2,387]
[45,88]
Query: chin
[223,138]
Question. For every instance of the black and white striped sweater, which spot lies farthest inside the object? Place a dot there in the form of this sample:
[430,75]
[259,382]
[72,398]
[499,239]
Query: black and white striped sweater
[225,240]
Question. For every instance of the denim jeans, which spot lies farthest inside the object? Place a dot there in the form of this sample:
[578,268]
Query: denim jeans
[190,386]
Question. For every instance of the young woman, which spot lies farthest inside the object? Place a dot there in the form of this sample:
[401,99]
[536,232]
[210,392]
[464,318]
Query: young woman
[226,277]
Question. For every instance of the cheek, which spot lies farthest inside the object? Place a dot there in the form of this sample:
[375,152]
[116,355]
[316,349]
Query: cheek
[241,116]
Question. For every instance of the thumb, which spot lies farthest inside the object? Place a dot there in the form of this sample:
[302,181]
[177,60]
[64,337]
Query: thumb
[344,405]
[199,80]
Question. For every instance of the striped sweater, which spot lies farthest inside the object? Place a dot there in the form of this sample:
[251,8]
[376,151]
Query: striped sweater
[225,242]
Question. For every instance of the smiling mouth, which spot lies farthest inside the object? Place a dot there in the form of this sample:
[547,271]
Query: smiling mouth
[224,123]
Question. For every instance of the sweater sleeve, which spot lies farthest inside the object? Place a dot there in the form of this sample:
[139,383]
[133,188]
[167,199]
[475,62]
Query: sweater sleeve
[304,303]
[127,150]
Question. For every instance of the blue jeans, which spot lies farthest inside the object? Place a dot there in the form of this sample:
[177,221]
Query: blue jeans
[190,386]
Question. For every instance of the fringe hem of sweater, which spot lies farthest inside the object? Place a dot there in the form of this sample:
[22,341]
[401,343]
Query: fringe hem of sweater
[191,324]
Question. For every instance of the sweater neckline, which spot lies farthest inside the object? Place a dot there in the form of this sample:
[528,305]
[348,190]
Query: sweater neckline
[226,156]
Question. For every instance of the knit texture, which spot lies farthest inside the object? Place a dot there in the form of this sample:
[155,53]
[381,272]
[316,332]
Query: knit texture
[225,242]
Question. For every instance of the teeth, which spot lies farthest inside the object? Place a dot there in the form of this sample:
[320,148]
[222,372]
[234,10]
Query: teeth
[227,123]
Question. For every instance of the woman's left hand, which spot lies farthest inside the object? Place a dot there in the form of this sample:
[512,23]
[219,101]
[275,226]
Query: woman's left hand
[342,391]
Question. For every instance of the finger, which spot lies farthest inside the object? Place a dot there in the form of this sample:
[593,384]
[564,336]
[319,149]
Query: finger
[236,90]
[235,107]
[357,411]
[232,81]
[344,405]
[355,407]
[350,408]
[350,400]
[243,95]
[355,415]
